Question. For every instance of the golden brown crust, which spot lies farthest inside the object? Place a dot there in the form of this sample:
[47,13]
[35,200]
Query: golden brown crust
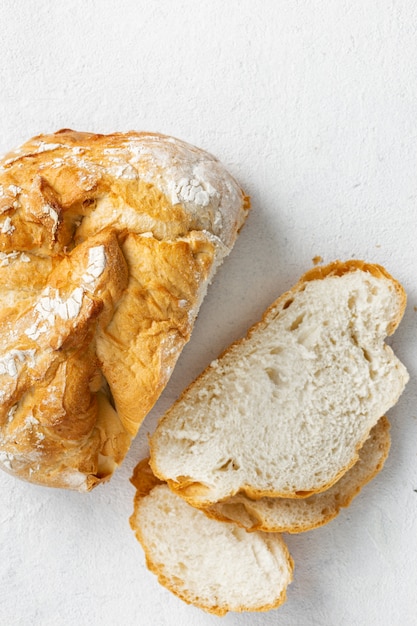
[143,479]
[107,244]
[192,491]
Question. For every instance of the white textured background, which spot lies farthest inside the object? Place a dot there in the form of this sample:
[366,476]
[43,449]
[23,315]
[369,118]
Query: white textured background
[312,106]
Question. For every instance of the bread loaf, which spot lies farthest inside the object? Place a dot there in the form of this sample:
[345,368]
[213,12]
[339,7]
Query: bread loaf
[285,411]
[217,567]
[107,246]
[296,515]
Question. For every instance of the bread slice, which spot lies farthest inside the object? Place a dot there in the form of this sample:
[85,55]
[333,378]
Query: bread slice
[298,515]
[284,411]
[214,566]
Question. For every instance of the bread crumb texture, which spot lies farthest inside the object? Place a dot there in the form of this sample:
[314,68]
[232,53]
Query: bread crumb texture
[295,515]
[214,566]
[285,411]
[222,567]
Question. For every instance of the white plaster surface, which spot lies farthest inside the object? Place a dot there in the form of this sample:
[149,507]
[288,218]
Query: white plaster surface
[313,107]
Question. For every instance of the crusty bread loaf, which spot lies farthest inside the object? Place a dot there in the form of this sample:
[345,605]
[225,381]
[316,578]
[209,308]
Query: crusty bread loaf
[217,567]
[107,245]
[285,411]
[296,515]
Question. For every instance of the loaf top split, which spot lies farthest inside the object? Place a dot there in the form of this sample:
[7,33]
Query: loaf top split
[107,246]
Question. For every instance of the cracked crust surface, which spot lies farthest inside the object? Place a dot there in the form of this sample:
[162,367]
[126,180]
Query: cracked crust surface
[107,246]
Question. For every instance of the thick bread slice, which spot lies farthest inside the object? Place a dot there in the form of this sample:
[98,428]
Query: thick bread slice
[107,246]
[214,566]
[285,411]
[296,515]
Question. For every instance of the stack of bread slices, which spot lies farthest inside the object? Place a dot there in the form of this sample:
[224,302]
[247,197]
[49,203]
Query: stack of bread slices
[276,435]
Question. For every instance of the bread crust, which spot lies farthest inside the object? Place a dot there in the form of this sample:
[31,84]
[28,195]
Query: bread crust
[194,492]
[107,246]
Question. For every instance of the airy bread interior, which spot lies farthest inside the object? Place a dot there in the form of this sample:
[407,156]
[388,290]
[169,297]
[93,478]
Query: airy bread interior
[295,515]
[285,411]
[217,567]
